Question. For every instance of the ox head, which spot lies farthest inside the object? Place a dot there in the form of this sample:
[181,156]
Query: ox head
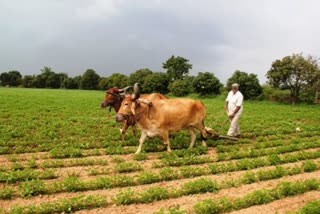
[129,105]
[113,96]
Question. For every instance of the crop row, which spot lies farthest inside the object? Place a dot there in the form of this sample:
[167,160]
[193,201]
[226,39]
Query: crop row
[260,152]
[64,205]
[73,183]
[257,197]
[261,196]
[57,163]
[13,176]
[172,160]
[167,173]
[311,207]
[264,143]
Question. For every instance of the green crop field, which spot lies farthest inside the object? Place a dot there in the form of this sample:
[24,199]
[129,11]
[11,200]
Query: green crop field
[60,152]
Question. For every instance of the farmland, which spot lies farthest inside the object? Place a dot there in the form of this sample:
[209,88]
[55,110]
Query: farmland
[59,152]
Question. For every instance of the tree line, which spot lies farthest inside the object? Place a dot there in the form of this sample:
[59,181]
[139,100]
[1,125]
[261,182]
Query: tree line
[296,74]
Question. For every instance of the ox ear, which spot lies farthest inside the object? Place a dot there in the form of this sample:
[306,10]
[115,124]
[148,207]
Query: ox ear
[134,106]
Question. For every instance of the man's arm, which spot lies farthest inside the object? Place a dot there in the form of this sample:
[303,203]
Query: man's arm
[234,112]
[226,106]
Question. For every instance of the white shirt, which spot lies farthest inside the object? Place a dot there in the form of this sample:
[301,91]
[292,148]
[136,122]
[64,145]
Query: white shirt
[234,100]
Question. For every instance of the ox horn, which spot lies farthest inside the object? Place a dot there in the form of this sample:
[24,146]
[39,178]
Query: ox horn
[136,92]
[124,90]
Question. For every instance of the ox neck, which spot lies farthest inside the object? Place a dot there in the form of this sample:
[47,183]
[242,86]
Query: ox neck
[116,104]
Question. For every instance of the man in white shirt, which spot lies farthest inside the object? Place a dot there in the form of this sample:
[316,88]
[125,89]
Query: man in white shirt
[233,107]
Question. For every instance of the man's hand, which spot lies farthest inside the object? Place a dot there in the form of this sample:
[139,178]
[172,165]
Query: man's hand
[225,108]
[231,115]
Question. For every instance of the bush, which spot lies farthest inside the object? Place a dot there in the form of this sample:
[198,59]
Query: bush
[89,80]
[156,82]
[249,84]
[180,88]
[206,83]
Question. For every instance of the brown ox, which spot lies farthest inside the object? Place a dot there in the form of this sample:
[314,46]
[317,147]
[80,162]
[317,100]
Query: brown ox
[159,117]
[113,99]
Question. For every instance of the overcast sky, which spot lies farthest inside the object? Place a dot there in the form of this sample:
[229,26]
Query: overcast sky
[110,36]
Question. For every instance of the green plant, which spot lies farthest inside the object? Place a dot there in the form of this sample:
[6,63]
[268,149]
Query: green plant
[67,152]
[153,194]
[168,174]
[188,171]
[201,185]
[31,188]
[311,207]
[141,156]
[171,210]
[70,184]
[6,193]
[117,150]
[148,178]
[128,167]
[116,159]
[309,166]
[63,205]
[125,197]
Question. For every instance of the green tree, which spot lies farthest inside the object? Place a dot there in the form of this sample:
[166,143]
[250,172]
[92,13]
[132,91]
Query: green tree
[177,67]
[27,81]
[117,80]
[11,78]
[206,83]
[103,83]
[296,73]
[249,84]
[89,80]
[156,82]
[181,87]
[139,76]
[70,83]
[52,81]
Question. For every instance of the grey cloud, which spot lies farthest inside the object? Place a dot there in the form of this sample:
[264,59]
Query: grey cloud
[123,35]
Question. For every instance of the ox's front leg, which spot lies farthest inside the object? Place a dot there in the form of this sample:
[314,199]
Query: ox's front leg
[124,130]
[165,137]
[192,137]
[134,130]
[141,140]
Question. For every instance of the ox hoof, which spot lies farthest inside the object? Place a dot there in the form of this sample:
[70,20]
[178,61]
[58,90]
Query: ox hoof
[120,131]
[204,144]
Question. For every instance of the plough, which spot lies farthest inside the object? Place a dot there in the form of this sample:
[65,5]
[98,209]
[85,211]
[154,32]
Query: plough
[216,136]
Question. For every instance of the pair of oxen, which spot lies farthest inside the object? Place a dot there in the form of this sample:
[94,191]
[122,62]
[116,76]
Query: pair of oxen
[156,114]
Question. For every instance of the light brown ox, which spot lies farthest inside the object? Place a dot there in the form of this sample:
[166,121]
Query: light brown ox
[159,117]
[113,99]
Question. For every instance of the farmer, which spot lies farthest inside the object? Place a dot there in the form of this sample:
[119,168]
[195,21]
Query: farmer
[233,107]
